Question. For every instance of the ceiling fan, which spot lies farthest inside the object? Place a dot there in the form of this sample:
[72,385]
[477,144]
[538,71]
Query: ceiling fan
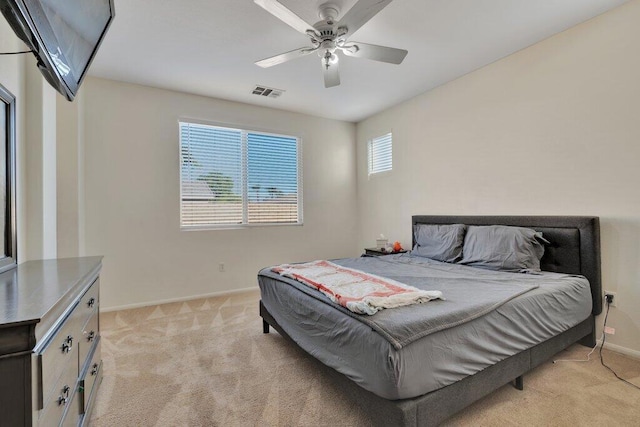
[328,36]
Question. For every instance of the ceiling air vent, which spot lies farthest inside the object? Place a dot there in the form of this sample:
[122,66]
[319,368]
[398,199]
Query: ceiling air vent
[267,91]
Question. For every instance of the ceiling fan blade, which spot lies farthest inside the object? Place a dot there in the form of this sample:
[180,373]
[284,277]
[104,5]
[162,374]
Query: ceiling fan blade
[281,12]
[375,52]
[360,13]
[331,74]
[284,57]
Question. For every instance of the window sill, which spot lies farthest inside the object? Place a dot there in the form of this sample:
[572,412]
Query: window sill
[236,226]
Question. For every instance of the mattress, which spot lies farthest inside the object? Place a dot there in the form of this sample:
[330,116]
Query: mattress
[354,345]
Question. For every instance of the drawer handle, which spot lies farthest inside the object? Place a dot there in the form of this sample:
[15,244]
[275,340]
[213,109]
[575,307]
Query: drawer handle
[94,369]
[91,302]
[91,336]
[67,345]
[64,397]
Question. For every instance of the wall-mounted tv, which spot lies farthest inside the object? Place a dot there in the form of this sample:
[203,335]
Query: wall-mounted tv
[63,34]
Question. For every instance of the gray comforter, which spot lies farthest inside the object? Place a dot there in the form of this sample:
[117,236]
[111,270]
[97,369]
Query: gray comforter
[469,293]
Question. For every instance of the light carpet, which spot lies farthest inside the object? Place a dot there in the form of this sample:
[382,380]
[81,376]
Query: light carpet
[206,362]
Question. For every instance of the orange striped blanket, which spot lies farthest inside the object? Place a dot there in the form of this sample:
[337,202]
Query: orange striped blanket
[360,292]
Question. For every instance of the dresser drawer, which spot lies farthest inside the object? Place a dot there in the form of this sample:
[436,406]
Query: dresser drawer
[90,301]
[90,335]
[60,399]
[91,380]
[60,355]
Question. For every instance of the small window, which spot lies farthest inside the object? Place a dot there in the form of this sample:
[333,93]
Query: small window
[380,154]
[235,177]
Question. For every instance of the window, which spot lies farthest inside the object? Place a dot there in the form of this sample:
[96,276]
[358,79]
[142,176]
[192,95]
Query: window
[379,154]
[235,177]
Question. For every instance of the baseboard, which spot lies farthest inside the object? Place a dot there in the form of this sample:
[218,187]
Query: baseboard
[623,350]
[170,300]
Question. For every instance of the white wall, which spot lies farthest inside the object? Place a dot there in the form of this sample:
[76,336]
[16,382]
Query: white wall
[70,176]
[131,194]
[551,130]
[40,143]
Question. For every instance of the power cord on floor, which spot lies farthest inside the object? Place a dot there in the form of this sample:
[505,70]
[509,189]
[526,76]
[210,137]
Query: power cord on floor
[606,316]
[16,53]
[580,360]
[602,345]
[588,355]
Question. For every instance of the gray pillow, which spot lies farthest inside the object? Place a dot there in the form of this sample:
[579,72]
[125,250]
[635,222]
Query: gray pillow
[499,247]
[439,242]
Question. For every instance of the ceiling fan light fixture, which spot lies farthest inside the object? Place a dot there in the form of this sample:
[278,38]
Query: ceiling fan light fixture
[329,58]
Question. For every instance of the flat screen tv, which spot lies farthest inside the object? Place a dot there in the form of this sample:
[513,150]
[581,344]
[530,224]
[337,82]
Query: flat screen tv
[64,35]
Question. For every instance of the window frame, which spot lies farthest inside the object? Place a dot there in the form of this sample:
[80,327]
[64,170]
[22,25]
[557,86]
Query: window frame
[9,254]
[244,166]
[370,143]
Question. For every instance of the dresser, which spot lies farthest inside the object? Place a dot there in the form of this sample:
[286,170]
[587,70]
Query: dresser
[50,366]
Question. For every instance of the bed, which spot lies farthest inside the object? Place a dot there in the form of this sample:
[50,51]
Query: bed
[423,380]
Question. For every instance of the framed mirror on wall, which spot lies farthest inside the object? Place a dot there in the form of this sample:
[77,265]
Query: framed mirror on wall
[8,247]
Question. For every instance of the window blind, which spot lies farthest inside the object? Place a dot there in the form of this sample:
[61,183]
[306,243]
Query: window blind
[380,154]
[234,177]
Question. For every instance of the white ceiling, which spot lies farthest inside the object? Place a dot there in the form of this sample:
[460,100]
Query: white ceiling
[208,47]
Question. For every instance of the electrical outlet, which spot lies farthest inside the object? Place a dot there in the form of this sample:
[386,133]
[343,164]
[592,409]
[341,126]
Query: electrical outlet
[221,267]
[609,330]
[614,295]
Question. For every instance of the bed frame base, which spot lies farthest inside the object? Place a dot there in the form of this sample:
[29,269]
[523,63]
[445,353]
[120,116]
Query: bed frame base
[434,407]
[519,383]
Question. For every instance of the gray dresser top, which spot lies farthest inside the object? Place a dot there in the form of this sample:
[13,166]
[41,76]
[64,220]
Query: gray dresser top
[38,289]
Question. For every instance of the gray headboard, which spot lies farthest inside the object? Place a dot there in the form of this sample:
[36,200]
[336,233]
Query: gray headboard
[574,242]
